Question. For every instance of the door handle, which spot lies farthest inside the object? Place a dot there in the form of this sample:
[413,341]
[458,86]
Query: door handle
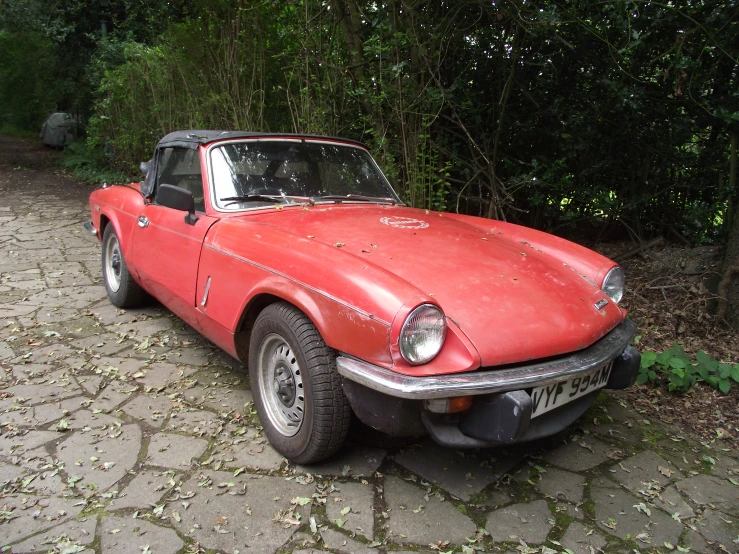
[143,221]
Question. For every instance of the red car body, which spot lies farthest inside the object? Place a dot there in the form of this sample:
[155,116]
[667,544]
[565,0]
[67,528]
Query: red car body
[510,295]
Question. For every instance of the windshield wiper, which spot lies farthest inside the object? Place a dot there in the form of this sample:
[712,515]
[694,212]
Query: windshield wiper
[263,198]
[356,198]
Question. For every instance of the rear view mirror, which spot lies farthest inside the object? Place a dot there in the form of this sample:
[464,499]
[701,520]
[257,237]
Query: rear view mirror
[177,198]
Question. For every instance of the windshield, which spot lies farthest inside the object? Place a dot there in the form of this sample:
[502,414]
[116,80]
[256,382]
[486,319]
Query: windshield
[293,170]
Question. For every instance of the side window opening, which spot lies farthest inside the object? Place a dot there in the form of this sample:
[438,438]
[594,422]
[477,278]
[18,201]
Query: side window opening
[181,167]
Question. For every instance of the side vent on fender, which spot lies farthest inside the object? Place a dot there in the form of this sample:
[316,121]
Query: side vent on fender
[205,293]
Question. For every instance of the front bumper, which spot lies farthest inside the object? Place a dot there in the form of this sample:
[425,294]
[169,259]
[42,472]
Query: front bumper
[89,227]
[493,380]
[501,413]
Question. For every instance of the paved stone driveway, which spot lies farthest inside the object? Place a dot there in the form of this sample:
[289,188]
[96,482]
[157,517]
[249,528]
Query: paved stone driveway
[125,432]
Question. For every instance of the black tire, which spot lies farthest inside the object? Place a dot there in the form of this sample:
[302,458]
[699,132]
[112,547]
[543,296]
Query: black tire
[304,357]
[122,290]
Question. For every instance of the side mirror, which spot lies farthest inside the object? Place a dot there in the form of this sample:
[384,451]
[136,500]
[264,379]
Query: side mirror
[144,167]
[177,198]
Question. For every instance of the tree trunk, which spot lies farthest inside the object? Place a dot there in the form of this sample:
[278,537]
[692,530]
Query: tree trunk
[495,197]
[728,289]
[350,23]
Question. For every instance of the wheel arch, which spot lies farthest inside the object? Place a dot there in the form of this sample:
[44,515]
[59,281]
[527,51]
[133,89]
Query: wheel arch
[104,222]
[249,314]
[111,218]
[251,311]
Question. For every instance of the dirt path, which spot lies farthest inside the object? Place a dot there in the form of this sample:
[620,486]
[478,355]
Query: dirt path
[27,165]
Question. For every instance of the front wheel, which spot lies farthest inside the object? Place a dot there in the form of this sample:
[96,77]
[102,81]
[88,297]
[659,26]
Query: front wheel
[122,290]
[297,390]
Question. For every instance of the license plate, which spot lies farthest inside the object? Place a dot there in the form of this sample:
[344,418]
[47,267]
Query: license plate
[549,397]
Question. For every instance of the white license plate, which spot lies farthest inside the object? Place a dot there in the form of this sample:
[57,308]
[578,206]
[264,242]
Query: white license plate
[549,397]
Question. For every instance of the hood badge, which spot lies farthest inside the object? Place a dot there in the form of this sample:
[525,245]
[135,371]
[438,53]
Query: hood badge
[600,304]
[404,222]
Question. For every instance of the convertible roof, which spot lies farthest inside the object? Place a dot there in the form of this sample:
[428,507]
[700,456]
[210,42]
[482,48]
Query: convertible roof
[194,138]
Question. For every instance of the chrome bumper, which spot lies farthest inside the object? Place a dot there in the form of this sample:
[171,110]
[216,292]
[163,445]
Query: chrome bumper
[90,228]
[489,381]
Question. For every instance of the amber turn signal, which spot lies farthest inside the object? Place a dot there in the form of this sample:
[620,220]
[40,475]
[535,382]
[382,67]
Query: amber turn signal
[459,404]
[448,405]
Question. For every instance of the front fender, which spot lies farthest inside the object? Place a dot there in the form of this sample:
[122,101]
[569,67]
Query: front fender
[120,206]
[235,282]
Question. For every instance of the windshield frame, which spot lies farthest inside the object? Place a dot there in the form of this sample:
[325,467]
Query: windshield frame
[297,139]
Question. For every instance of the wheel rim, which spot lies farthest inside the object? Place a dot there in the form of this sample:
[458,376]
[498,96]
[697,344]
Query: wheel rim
[113,262]
[281,385]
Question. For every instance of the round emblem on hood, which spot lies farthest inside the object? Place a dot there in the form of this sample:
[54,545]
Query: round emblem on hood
[404,222]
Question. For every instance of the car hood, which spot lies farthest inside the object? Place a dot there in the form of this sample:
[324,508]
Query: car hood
[514,300]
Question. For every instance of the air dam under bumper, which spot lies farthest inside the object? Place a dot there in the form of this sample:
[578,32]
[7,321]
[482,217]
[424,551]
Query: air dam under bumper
[501,413]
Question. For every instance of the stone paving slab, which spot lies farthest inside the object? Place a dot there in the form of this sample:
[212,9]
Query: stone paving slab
[646,467]
[249,513]
[134,536]
[80,532]
[152,410]
[342,543]
[29,515]
[671,502]
[13,444]
[126,432]
[530,522]
[462,473]
[708,490]
[616,513]
[353,461]
[145,490]
[717,528]
[99,459]
[421,518]
[582,540]
[352,504]
[248,451]
[579,454]
[562,485]
[174,451]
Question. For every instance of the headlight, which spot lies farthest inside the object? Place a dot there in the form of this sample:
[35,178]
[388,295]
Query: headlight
[422,335]
[613,284]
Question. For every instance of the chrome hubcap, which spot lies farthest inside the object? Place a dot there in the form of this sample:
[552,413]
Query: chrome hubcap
[113,263]
[281,385]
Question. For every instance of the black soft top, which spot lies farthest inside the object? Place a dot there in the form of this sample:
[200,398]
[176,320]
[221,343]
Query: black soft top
[194,138]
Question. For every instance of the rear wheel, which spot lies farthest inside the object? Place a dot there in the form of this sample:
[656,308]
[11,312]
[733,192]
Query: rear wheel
[297,390]
[122,290]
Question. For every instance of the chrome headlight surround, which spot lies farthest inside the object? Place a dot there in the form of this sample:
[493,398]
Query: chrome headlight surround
[422,335]
[614,283]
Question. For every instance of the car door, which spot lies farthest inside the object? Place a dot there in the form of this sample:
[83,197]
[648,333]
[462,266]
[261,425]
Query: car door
[167,248]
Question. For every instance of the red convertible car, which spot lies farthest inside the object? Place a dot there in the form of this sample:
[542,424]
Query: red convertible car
[294,254]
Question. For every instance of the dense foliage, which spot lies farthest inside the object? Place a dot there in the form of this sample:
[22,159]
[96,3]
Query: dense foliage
[598,118]
[675,369]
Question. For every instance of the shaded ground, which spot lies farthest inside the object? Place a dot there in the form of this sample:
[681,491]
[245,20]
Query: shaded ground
[126,432]
[670,300]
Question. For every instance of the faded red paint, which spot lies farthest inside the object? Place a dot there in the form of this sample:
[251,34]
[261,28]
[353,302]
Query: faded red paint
[510,293]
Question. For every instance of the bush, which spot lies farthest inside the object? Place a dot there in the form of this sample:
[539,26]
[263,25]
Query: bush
[679,371]
[90,165]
